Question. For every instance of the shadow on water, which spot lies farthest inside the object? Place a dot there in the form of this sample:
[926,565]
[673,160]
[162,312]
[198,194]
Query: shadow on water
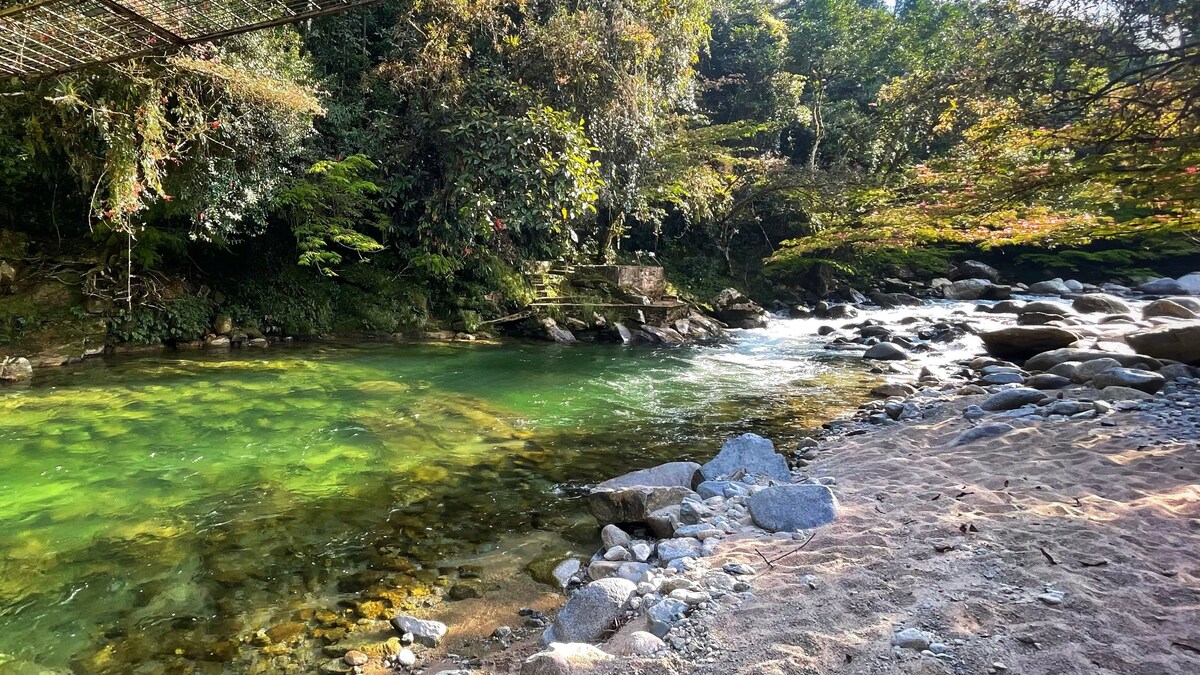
[158,512]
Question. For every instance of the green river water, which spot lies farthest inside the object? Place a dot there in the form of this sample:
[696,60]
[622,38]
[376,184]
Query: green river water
[156,510]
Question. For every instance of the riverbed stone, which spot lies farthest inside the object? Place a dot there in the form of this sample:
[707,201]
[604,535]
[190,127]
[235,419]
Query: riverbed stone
[1009,399]
[1048,359]
[1046,307]
[1050,287]
[428,633]
[685,474]
[1085,371]
[990,430]
[564,571]
[966,289]
[640,643]
[591,610]
[1167,307]
[732,307]
[886,351]
[613,536]
[1163,286]
[678,547]
[633,504]
[1176,342]
[1116,393]
[1142,380]
[15,369]
[1017,342]
[787,508]
[750,453]
[1091,303]
[911,638]
[1047,381]
[574,658]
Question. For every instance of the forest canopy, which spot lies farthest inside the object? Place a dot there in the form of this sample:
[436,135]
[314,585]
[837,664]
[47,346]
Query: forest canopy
[445,142]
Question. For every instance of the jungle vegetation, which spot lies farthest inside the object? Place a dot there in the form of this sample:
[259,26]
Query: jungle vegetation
[397,164]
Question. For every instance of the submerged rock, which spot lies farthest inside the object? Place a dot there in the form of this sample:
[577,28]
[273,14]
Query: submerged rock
[750,453]
[787,508]
[684,474]
[634,504]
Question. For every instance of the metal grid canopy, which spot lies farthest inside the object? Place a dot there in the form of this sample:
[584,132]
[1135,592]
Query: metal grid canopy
[49,37]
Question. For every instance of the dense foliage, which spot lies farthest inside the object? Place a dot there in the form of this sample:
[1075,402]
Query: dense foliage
[448,142]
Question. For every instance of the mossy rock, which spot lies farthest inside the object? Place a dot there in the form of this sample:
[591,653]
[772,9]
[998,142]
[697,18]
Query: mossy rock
[542,567]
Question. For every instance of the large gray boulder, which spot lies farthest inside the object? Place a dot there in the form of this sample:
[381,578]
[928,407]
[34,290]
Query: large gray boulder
[1018,342]
[634,504]
[732,307]
[15,369]
[750,453]
[683,474]
[1142,380]
[1009,399]
[1178,343]
[1167,307]
[966,289]
[1104,303]
[1163,286]
[591,611]
[1190,283]
[787,508]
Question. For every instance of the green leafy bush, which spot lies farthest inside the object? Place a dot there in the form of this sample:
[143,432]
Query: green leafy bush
[179,320]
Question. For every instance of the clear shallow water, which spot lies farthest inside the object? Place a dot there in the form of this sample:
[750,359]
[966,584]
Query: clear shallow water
[154,509]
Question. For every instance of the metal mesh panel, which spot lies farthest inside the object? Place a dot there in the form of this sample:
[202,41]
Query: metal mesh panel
[48,37]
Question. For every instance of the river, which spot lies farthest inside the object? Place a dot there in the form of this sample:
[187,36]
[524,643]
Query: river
[155,509]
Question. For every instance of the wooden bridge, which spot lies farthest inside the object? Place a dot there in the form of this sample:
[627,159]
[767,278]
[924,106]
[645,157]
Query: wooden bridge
[41,38]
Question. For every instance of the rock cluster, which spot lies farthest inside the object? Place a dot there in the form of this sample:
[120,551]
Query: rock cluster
[658,525]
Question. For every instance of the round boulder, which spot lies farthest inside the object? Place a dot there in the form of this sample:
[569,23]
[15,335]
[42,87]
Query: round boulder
[1166,307]
[591,610]
[886,351]
[1103,303]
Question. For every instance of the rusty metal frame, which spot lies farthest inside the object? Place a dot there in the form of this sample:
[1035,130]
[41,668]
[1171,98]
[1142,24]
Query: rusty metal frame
[44,38]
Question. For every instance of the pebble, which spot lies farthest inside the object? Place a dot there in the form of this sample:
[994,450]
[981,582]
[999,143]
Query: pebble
[356,658]
[1052,597]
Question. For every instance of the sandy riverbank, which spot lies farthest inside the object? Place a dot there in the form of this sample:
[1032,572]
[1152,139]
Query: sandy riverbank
[963,543]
